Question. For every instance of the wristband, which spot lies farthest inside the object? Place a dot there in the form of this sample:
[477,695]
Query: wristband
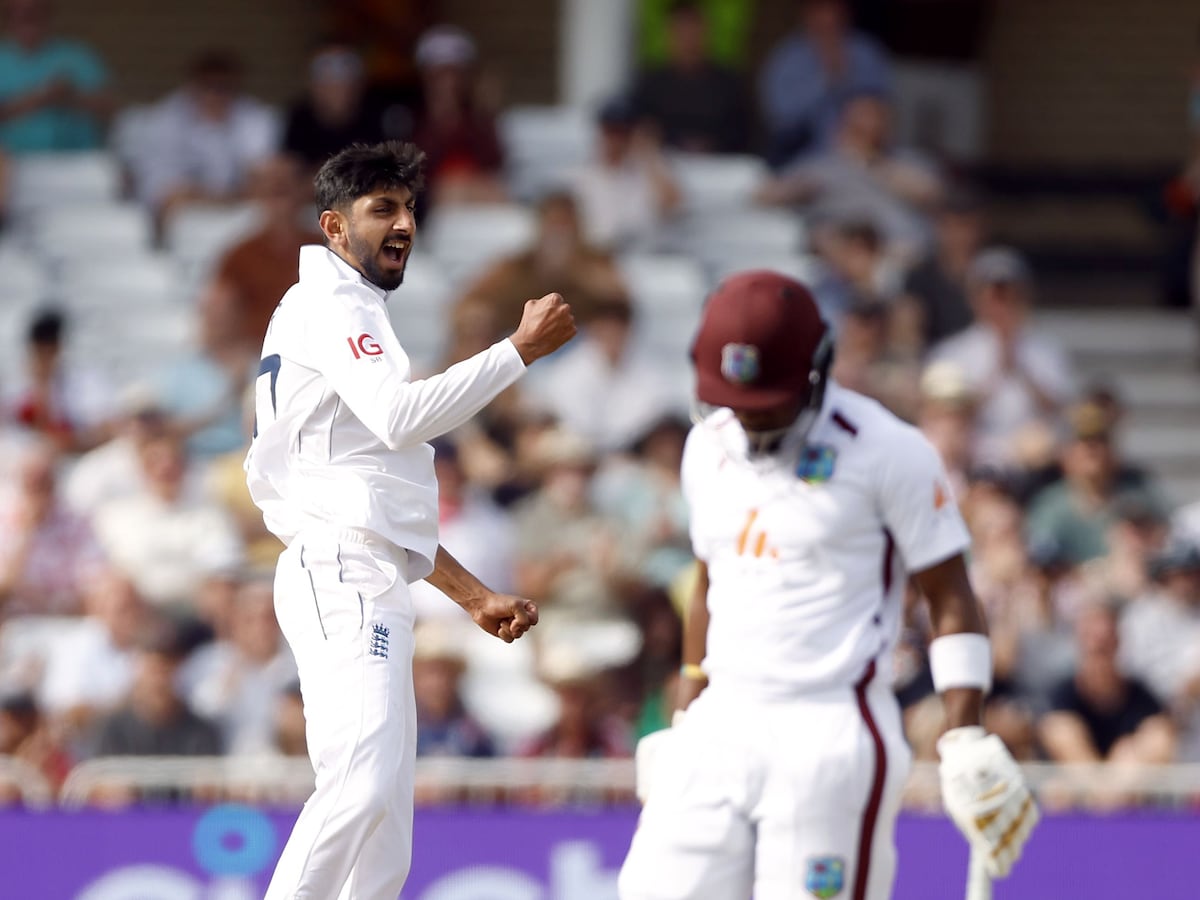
[961,661]
[692,672]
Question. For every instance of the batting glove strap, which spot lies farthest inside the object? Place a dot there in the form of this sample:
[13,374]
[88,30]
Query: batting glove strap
[985,794]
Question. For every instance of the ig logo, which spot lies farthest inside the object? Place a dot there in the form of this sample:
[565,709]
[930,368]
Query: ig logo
[231,844]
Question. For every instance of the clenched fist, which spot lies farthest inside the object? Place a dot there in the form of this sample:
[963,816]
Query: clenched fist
[545,326]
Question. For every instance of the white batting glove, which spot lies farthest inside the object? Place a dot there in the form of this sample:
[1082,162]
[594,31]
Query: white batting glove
[648,753]
[985,794]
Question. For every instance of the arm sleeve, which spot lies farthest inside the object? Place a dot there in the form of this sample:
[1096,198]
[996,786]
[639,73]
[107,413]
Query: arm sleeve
[355,347]
[916,503]
[694,469]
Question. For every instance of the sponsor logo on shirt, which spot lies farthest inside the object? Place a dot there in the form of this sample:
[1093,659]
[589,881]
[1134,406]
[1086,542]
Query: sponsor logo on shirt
[364,345]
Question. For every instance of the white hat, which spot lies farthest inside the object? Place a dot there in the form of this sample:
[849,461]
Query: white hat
[445,45]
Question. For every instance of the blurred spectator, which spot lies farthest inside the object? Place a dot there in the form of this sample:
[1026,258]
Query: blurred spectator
[203,139]
[697,104]
[470,526]
[444,728]
[1022,377]
[1099,713]
[67,404]
[89,670]
[202,391]
[627,192]
[570,558]
[808,77]
[386,31]
[155,721]
[729,24]
[25,735]
[857,273]
[1160,630]
[559,260]
[455,125]
[645,687]
[642,491]
[47,553]
[585,728]
[1136,535]
[53,91]
[335,112]
[1076,512]
[165,539]
[253,275]
[946,416]
[608,389]
[861,175]
[114,469]
[870,362]
[288,723]
[236,681]
[936,288]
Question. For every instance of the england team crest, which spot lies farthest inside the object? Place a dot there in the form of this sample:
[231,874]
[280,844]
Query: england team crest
[826,876]
[739,363]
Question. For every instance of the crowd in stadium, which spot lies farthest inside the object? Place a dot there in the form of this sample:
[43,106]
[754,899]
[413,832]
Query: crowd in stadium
[136,606]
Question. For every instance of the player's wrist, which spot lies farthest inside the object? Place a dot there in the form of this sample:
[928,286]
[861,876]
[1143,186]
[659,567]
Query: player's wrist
[693,672]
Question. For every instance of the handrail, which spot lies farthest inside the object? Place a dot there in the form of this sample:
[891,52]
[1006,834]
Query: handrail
[290,779]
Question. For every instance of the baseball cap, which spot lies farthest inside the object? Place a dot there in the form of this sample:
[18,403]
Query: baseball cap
[756,343]
[445,45]
[617,111]
[999,265]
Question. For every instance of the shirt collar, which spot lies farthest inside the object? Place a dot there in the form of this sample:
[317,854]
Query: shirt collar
[319,264]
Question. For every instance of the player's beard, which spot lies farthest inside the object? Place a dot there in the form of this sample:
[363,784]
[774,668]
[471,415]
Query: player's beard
[366,256]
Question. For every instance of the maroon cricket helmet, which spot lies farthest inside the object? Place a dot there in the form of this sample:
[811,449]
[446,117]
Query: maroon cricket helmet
[761,343]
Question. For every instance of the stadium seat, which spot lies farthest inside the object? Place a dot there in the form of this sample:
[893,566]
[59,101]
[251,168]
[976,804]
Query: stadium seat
[710,182]
[94,230]
[543,144]
[464,239]
[665,282]
[54,179]
[24,280]
[725,239]
[196,235]
[805,269]
[128,131]
[141,280]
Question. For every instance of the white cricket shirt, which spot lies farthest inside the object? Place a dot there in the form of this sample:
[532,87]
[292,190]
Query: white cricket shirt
[341,431]
[808,551]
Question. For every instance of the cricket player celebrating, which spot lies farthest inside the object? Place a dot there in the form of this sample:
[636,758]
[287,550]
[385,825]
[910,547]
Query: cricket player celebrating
[811,506]
[342,470]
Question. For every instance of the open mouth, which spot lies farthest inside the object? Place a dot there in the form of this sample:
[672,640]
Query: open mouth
[395,250]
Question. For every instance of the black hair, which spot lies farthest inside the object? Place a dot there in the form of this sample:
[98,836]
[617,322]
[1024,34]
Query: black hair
[215,62]
[46,328]
[360,169]
[685,8]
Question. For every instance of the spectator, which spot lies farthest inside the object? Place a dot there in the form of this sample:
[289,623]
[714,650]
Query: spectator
[472,528]
[47,553]
[946,416]
[454,124]
[288,722]
[868,361]
[1099,713]
[203,139]
[642,491]
[585,729]
[53,91]
[696,103]
[627,193]
[1137,534]
[1075,512]
[114,469]
[608,389]
[559,260]
[808,77]
[443,726]
[89,670]
[936,288]
[645,687]
[26,735]
[569,557]
[1022,378]
[69,405]
[253,275]
[155,721]
[236,682]
[387,32]
[858,273]
[335,112]
[861,175]
[163,538]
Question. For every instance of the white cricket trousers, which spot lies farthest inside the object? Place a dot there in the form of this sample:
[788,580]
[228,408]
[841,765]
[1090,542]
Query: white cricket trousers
[784,799]
[343,604]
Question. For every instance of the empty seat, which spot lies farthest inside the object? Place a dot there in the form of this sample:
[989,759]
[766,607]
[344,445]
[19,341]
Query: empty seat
[142,279]
[54,179]
[718,240]
[805,269]
[197,235]
[712,182]
[466,238]
[92,230]
[543,145]
[662,281]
